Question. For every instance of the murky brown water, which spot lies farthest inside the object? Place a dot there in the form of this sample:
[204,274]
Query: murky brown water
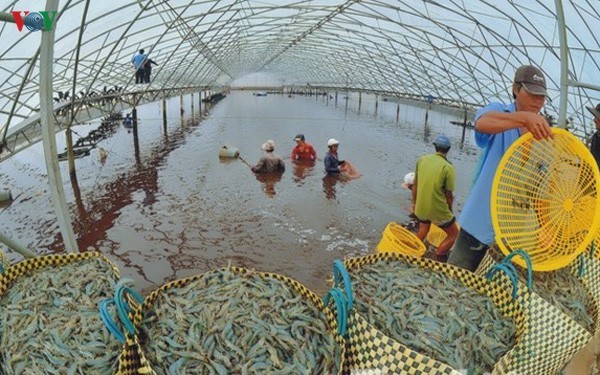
[166,206]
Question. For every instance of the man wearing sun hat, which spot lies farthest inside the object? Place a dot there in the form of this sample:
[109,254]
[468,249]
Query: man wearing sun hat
[432,194]
[595,142]
[269,162]
[497,126]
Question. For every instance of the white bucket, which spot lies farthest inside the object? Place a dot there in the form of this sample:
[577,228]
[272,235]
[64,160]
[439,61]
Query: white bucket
[5,196]
[229,152]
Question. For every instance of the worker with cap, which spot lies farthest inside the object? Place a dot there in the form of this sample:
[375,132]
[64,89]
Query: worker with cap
[269,162]
[303,151]
[432,194]
[595,141]
[332,163]
[497,127]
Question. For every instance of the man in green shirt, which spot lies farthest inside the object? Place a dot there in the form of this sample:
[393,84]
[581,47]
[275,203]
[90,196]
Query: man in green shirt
[432,194]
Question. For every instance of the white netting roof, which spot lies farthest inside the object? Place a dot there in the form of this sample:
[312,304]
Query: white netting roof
[459,51]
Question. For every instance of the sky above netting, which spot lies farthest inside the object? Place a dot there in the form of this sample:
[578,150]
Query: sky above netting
[464,52]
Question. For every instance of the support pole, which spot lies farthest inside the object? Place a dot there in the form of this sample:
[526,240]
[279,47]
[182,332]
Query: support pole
[16,246]
[6,17]
[398,110]
[181,110]
[376,103]
[136,140]
[359,100]
[192,115]
[70,155]
[164,113]
[464,129]
[564,64]
[48,137]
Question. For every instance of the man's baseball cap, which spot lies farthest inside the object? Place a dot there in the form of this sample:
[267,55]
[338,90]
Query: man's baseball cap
[595,111]
[532,79]
[442,141]
[299,137]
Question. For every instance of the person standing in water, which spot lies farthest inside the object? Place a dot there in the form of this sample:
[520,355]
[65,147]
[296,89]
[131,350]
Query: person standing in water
[432,194]
[269,162]
[303,151]
[497,127]
[332,163]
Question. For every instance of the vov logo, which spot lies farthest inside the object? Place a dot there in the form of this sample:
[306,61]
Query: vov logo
[34,21]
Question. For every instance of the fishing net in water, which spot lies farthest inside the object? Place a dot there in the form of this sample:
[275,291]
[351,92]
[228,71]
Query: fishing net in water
[236,321]
[433,314]
[49,320]
[349,171]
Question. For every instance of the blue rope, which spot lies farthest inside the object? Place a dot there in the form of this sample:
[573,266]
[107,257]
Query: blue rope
[108,320]
[123,308]
[339,271]
[2,268]
[508,271]
[341,307]
[581,270]
[525,255]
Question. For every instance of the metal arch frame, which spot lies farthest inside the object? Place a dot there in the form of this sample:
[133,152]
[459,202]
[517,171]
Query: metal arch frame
[49,141]
[373,36]
[228,29]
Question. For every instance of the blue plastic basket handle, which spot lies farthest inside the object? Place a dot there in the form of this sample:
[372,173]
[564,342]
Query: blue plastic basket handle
[108,320]
[340,272]
[523,254]
[581,269]
[342,309]
[510,272]
[123,308]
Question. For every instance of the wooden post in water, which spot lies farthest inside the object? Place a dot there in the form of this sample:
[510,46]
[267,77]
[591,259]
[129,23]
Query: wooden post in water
[327,94]
[464,129]
[376,103]
[336,96]
[136,142]
[181,110]
[164,113]
[359,100]
[192,107]
[70,154]
[398,110]
[134,115]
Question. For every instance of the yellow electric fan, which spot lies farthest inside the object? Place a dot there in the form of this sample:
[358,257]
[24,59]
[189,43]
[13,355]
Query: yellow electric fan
[545,200]
[436,235]
[396,238]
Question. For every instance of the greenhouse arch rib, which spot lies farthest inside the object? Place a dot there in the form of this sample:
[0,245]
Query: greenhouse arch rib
[462,52]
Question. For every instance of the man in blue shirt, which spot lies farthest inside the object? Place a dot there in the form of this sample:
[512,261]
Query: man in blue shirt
[497,126]
[138,60]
